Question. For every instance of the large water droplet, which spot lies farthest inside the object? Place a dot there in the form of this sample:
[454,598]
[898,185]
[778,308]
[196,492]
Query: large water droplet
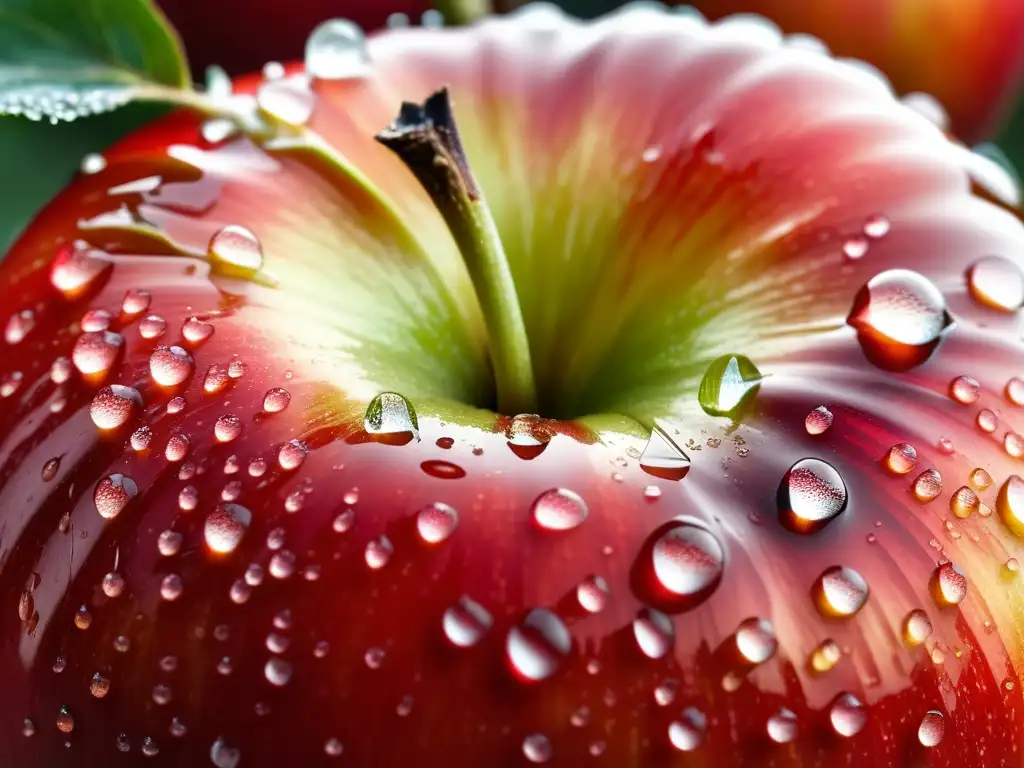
[901,458]
[196,331]
[236,251]
[782,726]
[996,282]
[818,421]
[170,366]
[436,522]
[662,457]
[687,560]
[840,592]
[811,495]
[728,384]
[177,448]
[227,428]
[559,509]
[928,485]
[964,502]
[276,400]
[654,633]
[277,671]
[755,640]
[538,645]
[152,326]
[527,436]
[75,270]
[847,715]
[899,316]
[932,729]
[965,390]
[225,528]
[466,622]
[917,627]
[112,406]
[112,495]
[1010,504]
[336,50]
[687,733]
[95,353]
[391,414]
[291,455]
[948,585]
[223,755]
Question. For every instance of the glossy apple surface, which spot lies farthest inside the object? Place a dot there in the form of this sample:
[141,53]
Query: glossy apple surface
[802,285]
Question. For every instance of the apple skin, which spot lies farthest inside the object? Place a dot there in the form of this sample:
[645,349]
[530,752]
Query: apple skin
[969,56]
[424,700]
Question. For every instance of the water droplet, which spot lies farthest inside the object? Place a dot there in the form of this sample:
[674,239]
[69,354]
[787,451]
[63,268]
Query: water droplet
[436,522]
[112,406]
[537,748]
[818,421]
[141,438]
[96,320]
[113,584]
[917,627]
[901,458]
[223,755]
[782,726]
[234,250]
[687,733]
[277,671]
[847,715]
[343,521]
[152,326]
[755,640]
[997,283]
[287,100]
[136,301]
[840,592]
[170,366]
[188,498]
[527,436]
[1013,444]
[171,587]
[963,502]
[177,447]
[374,657]
[559,509]
[336,50]
[810,496]
[333,748]
[987,421]
[928,485]
[95,353]
[855,248]
[728,385]
[65,722]
[176,404]
[60,370]
[662,457]
[592,593]
[654,633]
[877,227]
[825,656]
[899,317]
[1010,505]
[466,622]
[225,528]
[538,645]
[257,467]
[391,414]
[92,163]
[19,326]
[169,542]
[196,331]
[291,455]
[687,560]
[948,585]
[76,270]
[932,729]
[980,479]
[227,428]
[378,552]
[965,390]
[112,495]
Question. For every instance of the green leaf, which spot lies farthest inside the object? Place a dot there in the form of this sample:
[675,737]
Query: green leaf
[1011,140]
[62,59]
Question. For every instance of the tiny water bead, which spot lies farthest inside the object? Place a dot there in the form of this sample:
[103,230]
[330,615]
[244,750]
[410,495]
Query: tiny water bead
[390,414]
[899,316]
[112,495]
[756,640]
[592,593]
[170,366]
[538,645]
[188,498]
[466,622]
[980,479]
[782,726]
[654,632]
[818,421]
[965,390]
[997,283]
[227,428]
[276,400]
[948,585]
[92,163]
[901,459]
[812,494]
[223,755]
[95,353]
[728,384]
[19,325]
[336,50]
[687,733]
[662,456]
[847,715]
[99,686]
[114,405]
[917,627]
[152,326]
[537,748]
[928,485]
[687,560]
[559,509]
[236,251]
[840,592]
[436,522]
[65,722]
[1013,444]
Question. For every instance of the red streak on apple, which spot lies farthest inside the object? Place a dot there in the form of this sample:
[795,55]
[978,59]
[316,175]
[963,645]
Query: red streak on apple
[207,555]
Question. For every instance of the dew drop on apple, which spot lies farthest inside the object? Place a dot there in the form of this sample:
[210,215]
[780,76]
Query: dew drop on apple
[336,50]
[856,248]
[527,436]
[436,522]
[687,560]
[188,498]
[755,640]
[378,552]
[782,726]
[932,729]
[170,366]
[901,458]
[847,715]
[948,585]
[877,227]
[176,404]
[687,733]
[291,455]
[99,686]
[592,593]
[277,671]
[227,428]
[662,457]
[169,542]
[654,632]
[76,270]
[171,587]
[333,747]
[965,390]
[10,383]
[60,370]
[964,502]
[466,622]
[112,406]
[83,619]
[276,400]
[236,251]
[65,722]
[95,353]
[840,592]
[987,421]
[177,447]
[112,495]
[96,320]
[728,384]
[825,656]
[141,438]
[917,627]
[390,414]
[113,584]
[152,326]
[223,755]
[538,645]
[19,325]
[1010,504]
[136,301]
[559,509]
[196,331]
[811,495]
[1013,444]
[343,521]
[928,485]
[818,421]
[997,283]
[899,316]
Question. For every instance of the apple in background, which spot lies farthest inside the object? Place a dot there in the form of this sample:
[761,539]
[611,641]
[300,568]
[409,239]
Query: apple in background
[271,492]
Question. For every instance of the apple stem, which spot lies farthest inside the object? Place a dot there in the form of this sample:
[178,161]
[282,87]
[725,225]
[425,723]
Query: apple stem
[426,139]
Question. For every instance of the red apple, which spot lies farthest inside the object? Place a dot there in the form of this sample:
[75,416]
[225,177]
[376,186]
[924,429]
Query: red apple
[769,513]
